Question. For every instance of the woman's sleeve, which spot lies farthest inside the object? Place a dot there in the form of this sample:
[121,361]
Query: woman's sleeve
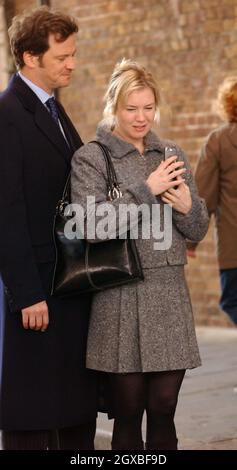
[104,219]
[193,225]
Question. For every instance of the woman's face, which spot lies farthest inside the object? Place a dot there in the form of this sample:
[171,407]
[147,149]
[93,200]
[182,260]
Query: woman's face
[135,115]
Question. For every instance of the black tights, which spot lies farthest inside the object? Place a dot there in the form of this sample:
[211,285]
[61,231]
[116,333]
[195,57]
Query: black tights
[155,392]
[78,437]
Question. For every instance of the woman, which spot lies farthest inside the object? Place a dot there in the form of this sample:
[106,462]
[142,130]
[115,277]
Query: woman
[142,334]
[216,176]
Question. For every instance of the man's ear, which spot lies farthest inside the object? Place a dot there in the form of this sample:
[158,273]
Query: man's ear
[31,61]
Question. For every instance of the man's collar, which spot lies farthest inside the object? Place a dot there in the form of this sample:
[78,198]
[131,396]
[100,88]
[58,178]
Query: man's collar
[42,94]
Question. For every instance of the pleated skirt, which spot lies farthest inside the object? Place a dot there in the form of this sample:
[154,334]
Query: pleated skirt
[145,326]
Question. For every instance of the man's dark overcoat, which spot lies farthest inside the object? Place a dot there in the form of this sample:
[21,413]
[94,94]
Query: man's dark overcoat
[44,384]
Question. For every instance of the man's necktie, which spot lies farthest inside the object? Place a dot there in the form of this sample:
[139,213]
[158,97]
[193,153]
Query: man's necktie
[52,106]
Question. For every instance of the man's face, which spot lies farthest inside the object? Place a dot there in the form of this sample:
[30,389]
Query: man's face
[54,68]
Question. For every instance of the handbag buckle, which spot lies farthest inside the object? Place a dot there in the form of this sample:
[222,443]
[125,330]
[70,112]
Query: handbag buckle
[61,205]
[114,193]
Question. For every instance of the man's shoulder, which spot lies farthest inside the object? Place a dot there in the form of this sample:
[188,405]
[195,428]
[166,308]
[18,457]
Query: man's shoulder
[10,106]
[8,101]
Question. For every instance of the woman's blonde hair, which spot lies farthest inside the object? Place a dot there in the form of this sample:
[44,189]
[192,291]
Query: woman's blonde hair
[227,99]
[128,76]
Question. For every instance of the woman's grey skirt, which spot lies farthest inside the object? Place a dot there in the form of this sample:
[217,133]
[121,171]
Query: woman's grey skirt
[145,326]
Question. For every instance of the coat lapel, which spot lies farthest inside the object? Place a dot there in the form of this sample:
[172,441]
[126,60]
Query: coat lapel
[71,133]
[43,119]
[47,125]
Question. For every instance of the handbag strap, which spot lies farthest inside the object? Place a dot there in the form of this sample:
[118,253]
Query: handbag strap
[114,191]
[65,199]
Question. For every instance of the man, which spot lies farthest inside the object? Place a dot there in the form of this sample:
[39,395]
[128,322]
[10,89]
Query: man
[48,398]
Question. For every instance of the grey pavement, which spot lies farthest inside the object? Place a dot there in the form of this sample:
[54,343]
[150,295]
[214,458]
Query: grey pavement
[206,417]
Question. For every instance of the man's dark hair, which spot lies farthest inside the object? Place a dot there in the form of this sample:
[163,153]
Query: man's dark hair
[30,31]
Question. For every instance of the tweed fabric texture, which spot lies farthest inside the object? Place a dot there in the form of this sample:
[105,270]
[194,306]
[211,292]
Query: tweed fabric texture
[146,326]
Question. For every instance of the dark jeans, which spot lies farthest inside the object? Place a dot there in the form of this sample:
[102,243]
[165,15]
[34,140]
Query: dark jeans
[228,300]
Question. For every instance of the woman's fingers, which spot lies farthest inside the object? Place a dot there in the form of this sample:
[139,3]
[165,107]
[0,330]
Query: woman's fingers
[174,166]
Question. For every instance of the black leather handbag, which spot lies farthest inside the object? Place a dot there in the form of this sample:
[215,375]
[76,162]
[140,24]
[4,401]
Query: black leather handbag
[81,266]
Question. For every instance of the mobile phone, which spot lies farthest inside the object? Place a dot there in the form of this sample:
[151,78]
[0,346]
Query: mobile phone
[169,152]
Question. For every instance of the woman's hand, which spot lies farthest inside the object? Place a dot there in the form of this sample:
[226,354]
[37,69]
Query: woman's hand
[180,198]
[162,178]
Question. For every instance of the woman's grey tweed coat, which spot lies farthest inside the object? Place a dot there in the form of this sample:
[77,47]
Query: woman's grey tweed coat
[148,325]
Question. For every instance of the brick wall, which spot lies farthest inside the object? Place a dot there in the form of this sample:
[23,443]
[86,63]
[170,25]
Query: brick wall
[3,49]
[20,5]
[191,46]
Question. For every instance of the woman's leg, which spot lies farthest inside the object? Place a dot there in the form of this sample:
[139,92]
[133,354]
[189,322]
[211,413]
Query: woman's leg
[162,397]
[128,401]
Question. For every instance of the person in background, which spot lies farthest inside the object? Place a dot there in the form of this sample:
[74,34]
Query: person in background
[216,179]
[142,334]
[47,397]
